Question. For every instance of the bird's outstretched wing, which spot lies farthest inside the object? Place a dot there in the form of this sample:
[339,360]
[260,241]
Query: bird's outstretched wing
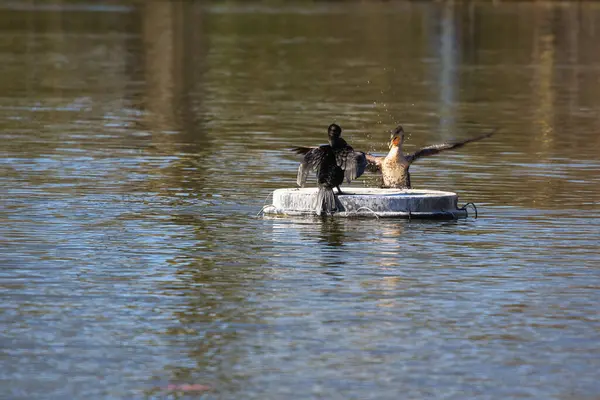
[354,164]
[373,163]
[436,148]
[311,162]
[302,150]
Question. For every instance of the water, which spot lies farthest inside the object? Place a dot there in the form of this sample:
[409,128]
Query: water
[140,140]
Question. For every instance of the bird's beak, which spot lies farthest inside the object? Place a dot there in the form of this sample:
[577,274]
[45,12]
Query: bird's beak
[397,137]
[396,140]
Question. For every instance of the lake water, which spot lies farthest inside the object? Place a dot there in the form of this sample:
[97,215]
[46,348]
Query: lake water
[140,139]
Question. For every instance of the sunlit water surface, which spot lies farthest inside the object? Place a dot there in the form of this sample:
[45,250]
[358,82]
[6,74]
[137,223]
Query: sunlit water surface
[140,140]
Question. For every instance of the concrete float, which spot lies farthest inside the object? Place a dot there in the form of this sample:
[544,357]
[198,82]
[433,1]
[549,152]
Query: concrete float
[371,202]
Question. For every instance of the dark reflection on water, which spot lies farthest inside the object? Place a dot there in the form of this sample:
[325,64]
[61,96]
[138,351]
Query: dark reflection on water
[140,139]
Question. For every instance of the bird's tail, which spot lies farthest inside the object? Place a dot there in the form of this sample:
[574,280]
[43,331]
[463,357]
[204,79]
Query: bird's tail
[325,201]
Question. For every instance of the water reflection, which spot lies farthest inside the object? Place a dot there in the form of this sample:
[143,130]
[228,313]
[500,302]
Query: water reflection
[332,233]
[173,61]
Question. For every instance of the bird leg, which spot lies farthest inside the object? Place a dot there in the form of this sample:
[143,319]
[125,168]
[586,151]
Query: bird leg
[339,190]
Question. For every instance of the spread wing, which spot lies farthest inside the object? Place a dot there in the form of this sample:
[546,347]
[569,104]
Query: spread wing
[311,162]
[343,156]
[437,148]
[373,163]
[355,164]
[302,150]
[352,162]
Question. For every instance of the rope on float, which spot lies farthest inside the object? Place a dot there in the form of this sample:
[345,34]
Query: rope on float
[464,208]
[262,210]
[265,205]
[368,209]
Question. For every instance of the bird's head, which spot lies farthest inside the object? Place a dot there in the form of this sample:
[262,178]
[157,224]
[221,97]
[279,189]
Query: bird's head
[397,137]
[334,132]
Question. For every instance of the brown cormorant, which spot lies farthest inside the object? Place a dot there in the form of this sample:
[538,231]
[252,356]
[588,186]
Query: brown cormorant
[332,162]
[394,167]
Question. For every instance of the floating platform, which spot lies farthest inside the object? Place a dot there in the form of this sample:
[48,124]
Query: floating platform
[371,202]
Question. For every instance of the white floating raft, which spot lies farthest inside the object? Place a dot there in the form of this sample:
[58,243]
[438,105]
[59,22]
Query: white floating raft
[371,202]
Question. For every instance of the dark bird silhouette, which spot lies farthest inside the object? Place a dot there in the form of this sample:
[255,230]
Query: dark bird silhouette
[332,163]
[394,167]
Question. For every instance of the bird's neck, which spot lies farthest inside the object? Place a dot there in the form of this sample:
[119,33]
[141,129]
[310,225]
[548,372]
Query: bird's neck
[339,142]
[395,152]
